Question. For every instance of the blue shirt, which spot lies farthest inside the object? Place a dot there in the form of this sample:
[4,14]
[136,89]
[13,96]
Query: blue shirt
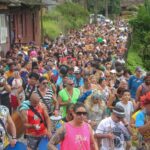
[79,82]
[140,119]
[59,81]
[133,84]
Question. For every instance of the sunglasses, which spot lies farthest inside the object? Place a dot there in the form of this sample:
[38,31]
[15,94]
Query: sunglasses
[71,84]
[81,113]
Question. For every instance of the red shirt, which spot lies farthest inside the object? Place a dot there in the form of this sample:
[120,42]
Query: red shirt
[32,118]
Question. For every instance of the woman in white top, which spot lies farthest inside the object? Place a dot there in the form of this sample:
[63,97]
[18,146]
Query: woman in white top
[17,92]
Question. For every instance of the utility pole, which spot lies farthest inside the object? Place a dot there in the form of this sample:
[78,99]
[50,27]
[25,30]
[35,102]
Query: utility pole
[95,11]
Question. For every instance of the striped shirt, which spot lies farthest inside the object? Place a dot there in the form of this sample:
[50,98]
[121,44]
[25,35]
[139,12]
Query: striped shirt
[47,100]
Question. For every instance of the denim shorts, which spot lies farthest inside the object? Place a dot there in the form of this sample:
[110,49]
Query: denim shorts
[33,142]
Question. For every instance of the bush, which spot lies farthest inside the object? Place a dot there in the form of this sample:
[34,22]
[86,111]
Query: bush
[51,29]
[64,17]
[134,60]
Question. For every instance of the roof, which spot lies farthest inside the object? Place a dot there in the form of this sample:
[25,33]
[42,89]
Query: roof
[25,2]
[4,1]
[31,2]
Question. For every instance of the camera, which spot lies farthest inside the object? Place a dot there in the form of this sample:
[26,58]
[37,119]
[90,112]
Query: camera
[118,137]
[117,142]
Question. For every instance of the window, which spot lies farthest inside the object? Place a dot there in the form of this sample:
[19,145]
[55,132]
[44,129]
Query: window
[3,29]
[2,20]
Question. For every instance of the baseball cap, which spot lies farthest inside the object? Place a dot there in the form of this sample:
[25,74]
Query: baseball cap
[119,111]
[77,70]
[138,69]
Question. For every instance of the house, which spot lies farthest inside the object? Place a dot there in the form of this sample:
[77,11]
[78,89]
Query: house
[127,3]
[20,22]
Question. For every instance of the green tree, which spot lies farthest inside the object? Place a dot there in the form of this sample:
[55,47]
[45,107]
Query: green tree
[141,35]
[147,5]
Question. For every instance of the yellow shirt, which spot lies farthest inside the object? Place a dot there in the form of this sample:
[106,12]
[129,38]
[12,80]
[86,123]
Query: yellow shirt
[135,114]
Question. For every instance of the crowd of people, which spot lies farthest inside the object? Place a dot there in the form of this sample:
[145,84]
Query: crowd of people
[79,81]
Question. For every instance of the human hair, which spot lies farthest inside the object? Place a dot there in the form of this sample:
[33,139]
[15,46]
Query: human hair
[145,99]
[78,105]
[147,75]
[120,91]
[33,75]
[42,79]
[124,91]
[10,64]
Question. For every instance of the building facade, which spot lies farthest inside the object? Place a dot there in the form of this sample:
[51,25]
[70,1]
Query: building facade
[20,23]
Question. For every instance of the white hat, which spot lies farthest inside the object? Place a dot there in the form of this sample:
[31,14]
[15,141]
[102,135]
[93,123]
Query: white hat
[76,70]
[113,71]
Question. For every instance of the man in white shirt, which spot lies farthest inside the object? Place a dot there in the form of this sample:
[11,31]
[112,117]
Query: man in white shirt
[113,131]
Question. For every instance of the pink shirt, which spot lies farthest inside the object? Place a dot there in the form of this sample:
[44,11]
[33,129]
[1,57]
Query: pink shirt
[76,138]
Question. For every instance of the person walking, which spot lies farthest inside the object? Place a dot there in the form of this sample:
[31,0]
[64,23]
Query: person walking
[7,128]
[47,96]
[36,121]
[143,88]
[142,122]
[113,131]
[75,134]
[67,95]
[135,81]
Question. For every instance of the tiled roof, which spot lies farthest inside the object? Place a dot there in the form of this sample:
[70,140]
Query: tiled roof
[26,2]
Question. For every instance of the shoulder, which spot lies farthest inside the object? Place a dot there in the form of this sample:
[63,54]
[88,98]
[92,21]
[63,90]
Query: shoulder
[76,90]
[132,77]
[105,121]
[61,91]
[89,127]
[140,114]
[103,125]
[130,103]
[119,103]
[42,105]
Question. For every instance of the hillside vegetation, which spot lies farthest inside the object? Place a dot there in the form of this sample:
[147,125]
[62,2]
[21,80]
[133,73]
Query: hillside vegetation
[64,17]
[139,52]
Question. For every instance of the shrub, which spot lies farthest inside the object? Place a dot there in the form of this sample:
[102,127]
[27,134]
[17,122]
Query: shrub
[64,17]
[134,60]
[141,39]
